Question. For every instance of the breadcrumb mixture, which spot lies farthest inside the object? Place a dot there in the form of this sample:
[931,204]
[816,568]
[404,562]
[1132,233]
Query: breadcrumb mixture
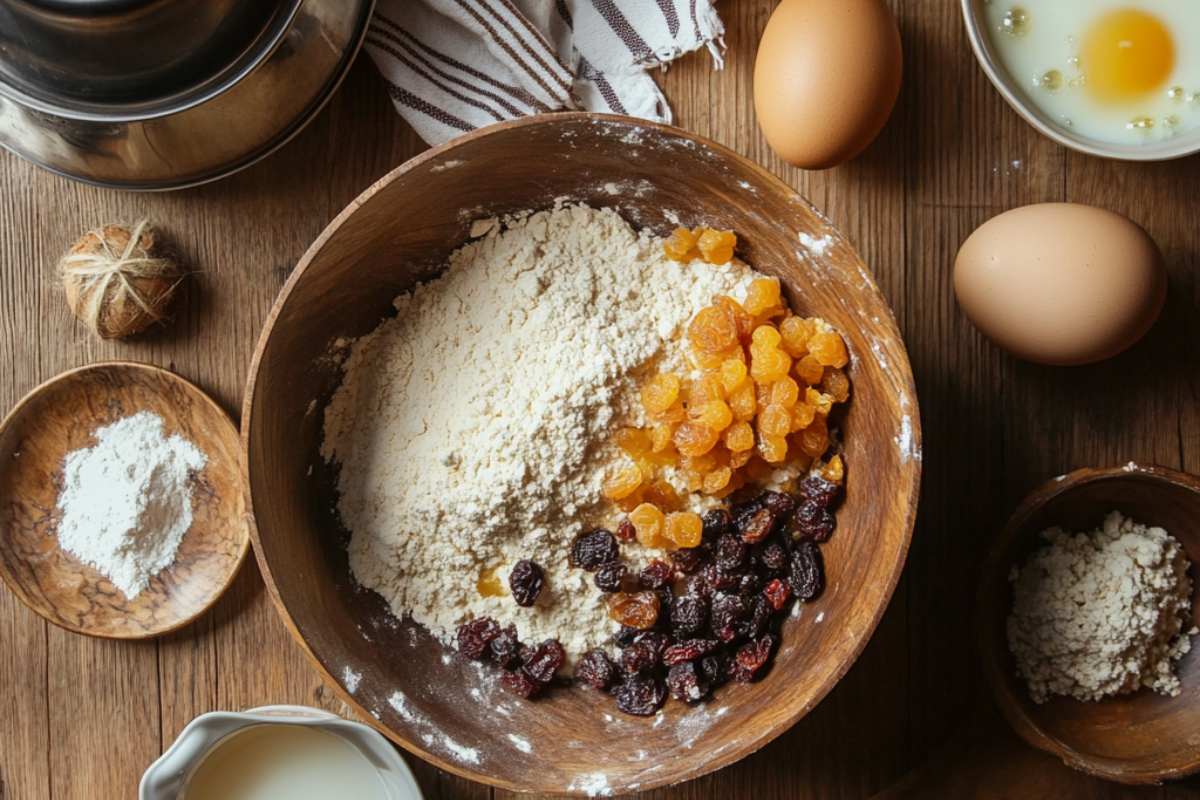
[1101,613]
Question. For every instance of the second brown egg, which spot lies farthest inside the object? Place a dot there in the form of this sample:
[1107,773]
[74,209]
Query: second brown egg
[826,78]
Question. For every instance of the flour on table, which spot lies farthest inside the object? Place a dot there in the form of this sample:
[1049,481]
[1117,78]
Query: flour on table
[127,502]
[473,429]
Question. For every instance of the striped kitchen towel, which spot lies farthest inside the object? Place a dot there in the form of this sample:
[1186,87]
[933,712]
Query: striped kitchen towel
[455,65]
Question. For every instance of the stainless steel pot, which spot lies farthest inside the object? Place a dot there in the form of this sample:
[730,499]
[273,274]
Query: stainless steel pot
[162,94]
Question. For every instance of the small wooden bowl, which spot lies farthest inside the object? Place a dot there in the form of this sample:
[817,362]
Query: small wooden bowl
[60,416]
[1139,738]
[402,230]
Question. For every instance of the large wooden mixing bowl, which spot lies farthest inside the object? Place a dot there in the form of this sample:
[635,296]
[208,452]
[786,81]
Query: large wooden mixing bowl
[438,704]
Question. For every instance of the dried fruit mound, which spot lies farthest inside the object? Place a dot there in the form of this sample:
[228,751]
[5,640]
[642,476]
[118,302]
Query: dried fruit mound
[709,616]
[764,386]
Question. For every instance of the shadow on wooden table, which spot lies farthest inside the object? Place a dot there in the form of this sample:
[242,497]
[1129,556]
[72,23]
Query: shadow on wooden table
[986,760]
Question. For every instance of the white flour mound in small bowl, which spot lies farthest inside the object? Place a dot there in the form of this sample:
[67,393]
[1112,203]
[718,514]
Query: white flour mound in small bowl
[1100,614]
[127,501]
[473,430]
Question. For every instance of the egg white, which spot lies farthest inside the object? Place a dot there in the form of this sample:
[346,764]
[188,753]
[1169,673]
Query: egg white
[1053,40]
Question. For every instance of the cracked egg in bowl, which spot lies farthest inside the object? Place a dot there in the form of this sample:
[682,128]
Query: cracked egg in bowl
[1117,78]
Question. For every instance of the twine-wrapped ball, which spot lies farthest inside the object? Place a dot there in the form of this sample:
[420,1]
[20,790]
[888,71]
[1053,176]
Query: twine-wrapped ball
[117,280]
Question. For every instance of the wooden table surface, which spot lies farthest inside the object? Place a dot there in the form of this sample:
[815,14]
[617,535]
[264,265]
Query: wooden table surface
[82,718]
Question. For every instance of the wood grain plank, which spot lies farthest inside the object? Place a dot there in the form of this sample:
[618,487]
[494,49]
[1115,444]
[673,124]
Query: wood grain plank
[25,722]
[187,668]
[104,724]
[988,761]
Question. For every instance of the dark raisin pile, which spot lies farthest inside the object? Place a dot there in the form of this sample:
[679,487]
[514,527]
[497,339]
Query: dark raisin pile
[524,669]
[710,615]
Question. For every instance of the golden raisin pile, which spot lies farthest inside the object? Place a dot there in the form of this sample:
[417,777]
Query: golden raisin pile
[765,384]
[715,247]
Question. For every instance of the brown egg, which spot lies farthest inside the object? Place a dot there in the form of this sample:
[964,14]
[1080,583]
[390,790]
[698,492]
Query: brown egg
[826,79]
[1061,283]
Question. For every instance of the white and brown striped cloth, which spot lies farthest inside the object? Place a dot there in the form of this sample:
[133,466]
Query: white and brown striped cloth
[456,65]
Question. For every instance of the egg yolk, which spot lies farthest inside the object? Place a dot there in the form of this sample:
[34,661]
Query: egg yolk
[1126,54]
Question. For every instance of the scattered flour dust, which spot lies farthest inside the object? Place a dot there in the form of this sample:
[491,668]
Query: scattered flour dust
[473,429]
[127,502]
[1101,613]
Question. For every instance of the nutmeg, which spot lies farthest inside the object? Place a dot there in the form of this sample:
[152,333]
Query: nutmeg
[118,280]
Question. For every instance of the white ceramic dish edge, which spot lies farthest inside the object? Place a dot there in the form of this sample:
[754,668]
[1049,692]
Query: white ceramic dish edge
[1180,146]
[163,779]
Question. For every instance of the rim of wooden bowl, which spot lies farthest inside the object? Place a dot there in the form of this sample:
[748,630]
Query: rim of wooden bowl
[1012,545]
[157,591]
[909,441]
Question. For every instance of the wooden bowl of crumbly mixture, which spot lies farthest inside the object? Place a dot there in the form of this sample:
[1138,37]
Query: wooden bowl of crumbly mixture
[1137,737]
[419,690]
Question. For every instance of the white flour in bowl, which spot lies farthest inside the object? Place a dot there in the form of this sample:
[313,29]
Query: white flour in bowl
[473,429]
[1101,613]
[127,502]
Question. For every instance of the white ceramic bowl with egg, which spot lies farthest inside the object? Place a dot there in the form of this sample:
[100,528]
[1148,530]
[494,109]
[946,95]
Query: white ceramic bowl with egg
[278,751]
[1143,100]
